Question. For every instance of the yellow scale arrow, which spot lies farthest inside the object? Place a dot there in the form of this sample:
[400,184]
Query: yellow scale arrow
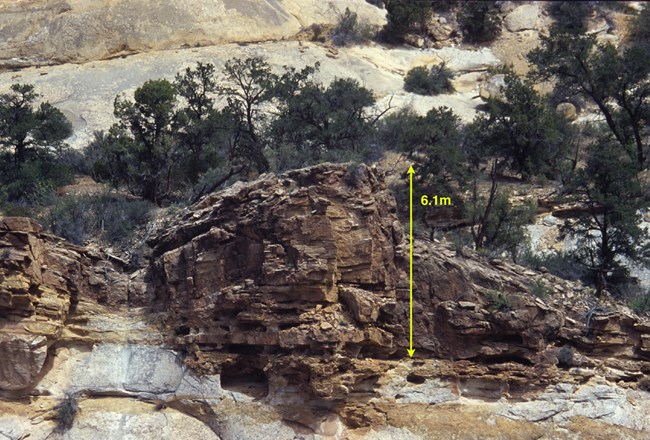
[411,350]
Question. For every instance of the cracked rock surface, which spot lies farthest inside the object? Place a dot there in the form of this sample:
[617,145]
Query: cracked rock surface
[279,309]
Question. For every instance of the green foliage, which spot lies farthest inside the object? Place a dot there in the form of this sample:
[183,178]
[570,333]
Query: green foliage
[432,144]
[431,81]
[25,132]
[405,17]
[640,304]
[479,21]
[640,27]
[319,123]
[498,301]
[497,225]
[139,150]
[540,290]
[249,84]
[616,82]
[570,16]
[112,218]
[174,140]
[201,130]
[609,189]
[559,264]
[31,147]
[522,130]
[350,31]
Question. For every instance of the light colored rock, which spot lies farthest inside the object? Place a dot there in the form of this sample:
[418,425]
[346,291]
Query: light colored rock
[22,357]
[550,221]
[57,31]
[153,370]
[462,60]
[493,87]
[440,31]
[567,110]
[14,427]
[138,369]
[121,419]
[606,403]
[522,18]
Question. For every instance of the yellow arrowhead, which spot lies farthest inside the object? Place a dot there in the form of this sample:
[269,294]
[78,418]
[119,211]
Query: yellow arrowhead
[411,170]
[411,352]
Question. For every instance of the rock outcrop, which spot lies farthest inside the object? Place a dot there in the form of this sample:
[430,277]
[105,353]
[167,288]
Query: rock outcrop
[42,32]
[281,306]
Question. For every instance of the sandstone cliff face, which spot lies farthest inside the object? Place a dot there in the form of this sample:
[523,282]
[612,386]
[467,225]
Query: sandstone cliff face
[279,309]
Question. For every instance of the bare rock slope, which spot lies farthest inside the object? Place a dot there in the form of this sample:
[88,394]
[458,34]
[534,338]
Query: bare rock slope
[279,309]
[42,32]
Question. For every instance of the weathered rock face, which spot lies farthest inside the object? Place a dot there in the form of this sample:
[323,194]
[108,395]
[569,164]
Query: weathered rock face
[286,300]
[41,280]
[300,282]
[37,32]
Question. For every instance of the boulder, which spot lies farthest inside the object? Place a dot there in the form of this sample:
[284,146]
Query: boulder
[363,304]
[493,87]
[522,18]
[567,110]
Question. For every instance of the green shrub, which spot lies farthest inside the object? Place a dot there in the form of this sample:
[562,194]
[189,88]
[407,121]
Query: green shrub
[640,303]
[479,21]
[349,30]
[559,264]
[112,218]
[424,81]
[540,290]
[499,302]
[34,181]
[405,17]
[570,16]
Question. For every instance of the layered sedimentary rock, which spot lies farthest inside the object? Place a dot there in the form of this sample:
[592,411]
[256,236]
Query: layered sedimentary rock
[42,279]
[287,298]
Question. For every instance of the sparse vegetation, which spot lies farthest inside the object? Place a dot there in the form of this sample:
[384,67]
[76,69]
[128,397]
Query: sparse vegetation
[540,290]
[557,263]
[65,413]
[349,30]
[108,217]
[499,301]
[609,189]
[640,303]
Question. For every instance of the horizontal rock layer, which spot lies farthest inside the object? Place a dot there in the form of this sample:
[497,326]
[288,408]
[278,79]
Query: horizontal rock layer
[292,291]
